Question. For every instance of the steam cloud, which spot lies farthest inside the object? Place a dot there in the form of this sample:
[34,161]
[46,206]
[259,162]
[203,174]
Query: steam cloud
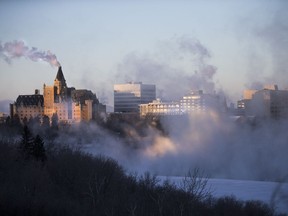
[269,65]
[18,49]
[219,146]
[179,67]
[274,34]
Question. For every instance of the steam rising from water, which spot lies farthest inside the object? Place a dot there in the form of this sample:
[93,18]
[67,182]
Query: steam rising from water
[177,67]
[219,146]
[18,49]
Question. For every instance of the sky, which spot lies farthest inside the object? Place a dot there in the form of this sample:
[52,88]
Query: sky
[233,45]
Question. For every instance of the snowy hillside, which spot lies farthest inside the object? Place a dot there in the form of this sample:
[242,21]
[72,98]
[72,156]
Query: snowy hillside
[272,193]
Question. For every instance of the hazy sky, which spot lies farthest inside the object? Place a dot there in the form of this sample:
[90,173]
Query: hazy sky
[247,41]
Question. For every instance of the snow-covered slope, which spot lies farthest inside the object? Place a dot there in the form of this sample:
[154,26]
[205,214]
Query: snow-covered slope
[272,193]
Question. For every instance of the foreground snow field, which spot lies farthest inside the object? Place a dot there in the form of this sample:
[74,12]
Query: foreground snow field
[272,193]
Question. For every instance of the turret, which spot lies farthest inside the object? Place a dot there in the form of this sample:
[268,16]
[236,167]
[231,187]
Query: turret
[60,82]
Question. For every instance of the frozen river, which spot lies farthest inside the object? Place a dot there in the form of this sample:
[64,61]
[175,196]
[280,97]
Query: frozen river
[272,193]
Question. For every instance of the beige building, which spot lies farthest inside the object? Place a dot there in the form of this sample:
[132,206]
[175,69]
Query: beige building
[157,107]
[248,94]
[70,105]
[270,102]
[28,106]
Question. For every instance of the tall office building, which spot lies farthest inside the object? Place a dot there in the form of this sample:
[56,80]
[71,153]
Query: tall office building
[128,97]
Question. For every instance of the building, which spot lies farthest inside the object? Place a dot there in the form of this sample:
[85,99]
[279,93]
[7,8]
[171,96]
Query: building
[270,102]
[128,97]
[3,117]
[197,101]
[68,104]
[157,107]
[248,94]
[57,99]
[28,106]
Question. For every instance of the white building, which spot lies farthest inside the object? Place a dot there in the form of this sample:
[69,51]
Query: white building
[128,97]
[157,107]
[197,101]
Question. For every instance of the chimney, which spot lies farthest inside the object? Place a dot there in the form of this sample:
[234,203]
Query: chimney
[37,91]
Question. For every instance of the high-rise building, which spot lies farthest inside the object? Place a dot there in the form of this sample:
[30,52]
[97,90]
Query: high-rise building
[128,97]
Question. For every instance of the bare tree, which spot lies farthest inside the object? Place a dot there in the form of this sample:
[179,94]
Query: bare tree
[195,183]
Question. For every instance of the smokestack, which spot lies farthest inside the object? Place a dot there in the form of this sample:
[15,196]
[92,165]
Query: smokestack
[18,49]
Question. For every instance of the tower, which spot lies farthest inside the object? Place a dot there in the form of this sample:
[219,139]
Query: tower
[60,87]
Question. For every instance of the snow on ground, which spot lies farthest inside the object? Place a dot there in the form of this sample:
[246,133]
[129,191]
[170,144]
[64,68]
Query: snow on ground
[273,193]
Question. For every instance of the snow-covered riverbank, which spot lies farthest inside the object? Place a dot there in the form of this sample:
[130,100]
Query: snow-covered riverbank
[272,193]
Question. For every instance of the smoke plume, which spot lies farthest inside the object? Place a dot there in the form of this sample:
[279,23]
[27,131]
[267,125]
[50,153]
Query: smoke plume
[177,67]
[17,49]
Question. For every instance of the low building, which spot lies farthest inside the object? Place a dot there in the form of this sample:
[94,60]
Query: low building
[157,107]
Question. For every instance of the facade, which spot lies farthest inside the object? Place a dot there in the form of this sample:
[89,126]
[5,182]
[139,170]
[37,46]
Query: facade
[248,94]
[3,117]
[70,105]
[128,97]
[270,102]
[28,106]
[157,107]
[197,101]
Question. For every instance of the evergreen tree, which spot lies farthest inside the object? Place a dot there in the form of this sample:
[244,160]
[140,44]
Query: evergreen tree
[26,143]
[54,121]
[15,121]
[46,122]
[38,151]
[25,121]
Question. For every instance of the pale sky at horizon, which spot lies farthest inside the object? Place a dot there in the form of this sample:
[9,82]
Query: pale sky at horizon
[247,41]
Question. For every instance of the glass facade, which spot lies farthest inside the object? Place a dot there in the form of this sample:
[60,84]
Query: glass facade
[128,97]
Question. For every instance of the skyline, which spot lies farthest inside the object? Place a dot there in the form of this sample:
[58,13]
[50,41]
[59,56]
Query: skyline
[103,43]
